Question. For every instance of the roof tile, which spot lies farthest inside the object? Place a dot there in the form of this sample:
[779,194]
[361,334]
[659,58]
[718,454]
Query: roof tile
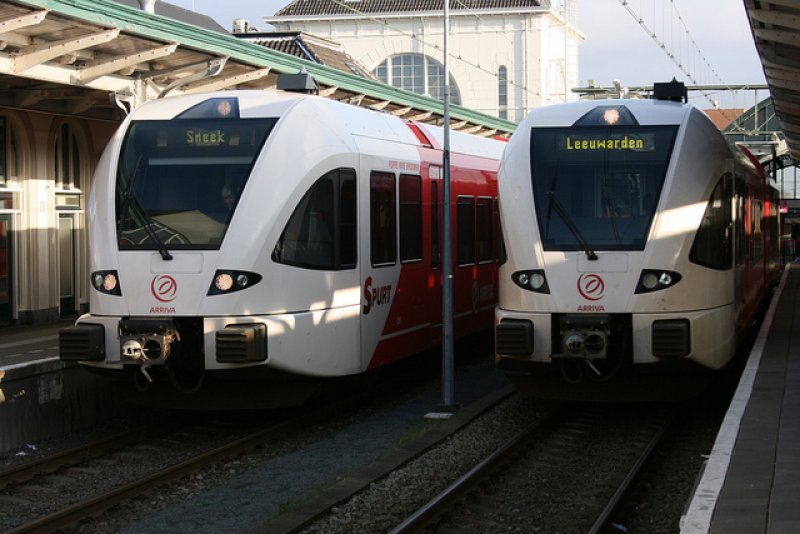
[348,7]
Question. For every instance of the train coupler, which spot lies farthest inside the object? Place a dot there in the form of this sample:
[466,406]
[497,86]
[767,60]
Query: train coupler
[132,350]
[146,342]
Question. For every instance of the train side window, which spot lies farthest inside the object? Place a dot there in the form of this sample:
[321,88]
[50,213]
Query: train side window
[740,195]
[465,213]
[410,218]
[383,243]
[483,230]
[321,233]
[756,231]
[713,243]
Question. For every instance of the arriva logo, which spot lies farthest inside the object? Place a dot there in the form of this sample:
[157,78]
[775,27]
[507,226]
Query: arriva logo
[591,286]
[164,288]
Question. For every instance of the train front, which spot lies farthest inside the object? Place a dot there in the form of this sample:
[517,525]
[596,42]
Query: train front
[175,245]
[601,203]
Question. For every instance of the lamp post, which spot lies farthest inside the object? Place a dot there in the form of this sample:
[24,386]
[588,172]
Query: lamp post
[448,372]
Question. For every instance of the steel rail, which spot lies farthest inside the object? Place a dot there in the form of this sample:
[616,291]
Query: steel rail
[51,463]
[442,502]
[71,515]
[615,499]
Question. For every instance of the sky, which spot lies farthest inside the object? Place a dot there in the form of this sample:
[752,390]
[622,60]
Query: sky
[718,48]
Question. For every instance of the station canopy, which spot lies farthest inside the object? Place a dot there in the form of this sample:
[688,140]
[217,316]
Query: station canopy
[99,58]
[776,32]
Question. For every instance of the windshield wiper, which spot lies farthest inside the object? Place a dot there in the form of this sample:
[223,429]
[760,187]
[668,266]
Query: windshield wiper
[127,196]
[162,248]
[554,203]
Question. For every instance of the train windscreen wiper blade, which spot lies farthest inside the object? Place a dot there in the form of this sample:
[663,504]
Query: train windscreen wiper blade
[162,248]
[555,204]
[129,196]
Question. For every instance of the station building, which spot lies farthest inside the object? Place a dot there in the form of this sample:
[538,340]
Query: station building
[506,57]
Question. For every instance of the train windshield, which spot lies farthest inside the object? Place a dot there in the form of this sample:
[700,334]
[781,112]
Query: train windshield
[179,181]
[596,188]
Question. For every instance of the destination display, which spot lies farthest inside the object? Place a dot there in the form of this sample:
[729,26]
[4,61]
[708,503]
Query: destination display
[601,143]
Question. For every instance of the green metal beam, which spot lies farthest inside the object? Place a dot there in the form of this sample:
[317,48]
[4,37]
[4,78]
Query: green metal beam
[136,21]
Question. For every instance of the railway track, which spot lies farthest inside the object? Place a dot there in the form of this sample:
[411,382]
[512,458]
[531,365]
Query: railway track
[544,478]
[23,472]
[59,493]
[62,478]
[548,475]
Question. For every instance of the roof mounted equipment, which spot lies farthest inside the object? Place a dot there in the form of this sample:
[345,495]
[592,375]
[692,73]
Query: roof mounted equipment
[673,91]
[302,82]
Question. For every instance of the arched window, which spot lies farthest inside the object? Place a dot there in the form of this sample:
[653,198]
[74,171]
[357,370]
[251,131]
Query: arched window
[502,92]
[67,159]
[418,73]
[9,153]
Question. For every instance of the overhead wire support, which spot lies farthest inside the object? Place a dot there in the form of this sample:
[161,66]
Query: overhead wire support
[668,50]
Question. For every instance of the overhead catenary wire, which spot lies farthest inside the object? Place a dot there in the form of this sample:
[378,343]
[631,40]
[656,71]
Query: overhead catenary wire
[668,47]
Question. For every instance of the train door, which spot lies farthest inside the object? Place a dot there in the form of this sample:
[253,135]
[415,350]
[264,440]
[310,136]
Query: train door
[6,261]
[465,280]
[409,313]
[379,263]
[66,263]
[434,285]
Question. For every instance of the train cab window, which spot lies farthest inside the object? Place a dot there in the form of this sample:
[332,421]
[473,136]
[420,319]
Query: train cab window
[597,187]
[483,230]
[713,243]
[465,216]
[410,218]
[383,241]
[321,233]
[179,181]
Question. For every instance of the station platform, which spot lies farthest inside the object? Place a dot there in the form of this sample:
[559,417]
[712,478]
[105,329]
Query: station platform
[751,481]
[42,397]
[25,344]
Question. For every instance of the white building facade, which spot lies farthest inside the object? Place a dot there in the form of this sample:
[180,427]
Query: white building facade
[506,57]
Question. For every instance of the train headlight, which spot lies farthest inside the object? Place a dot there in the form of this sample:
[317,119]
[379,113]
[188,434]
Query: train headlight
[223,282]
[649,281]
[532,280]
[226,281]
[655,280]
[106,282]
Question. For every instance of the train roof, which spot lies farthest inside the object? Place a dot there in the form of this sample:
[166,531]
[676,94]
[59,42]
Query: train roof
[645,111]
[351,119]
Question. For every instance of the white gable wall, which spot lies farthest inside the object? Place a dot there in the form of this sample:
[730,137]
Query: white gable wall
[542,68]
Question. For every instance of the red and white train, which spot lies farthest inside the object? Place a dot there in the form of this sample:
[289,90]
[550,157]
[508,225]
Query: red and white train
[265,236]
[641,245]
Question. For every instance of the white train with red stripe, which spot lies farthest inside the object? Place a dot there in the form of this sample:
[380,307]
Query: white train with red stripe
[641,245]
[266,236]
